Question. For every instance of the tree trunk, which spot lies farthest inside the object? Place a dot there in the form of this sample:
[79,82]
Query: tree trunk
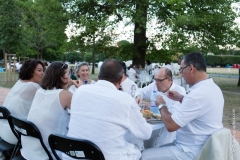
[140,39]
[93,60]
[238,77]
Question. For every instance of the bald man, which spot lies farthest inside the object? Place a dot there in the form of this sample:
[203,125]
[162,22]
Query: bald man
[162,84]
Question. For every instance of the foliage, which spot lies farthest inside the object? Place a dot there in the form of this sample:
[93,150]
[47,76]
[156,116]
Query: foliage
[178,25]
[222,60]
[43,22]
[10,30]
[73,56]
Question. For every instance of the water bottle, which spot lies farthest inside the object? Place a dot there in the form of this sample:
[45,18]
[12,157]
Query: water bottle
[153,108]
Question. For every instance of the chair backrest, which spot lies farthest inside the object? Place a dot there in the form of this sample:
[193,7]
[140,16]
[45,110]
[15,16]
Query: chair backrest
[220,145]
[26,128]
[4,112]
[75,148]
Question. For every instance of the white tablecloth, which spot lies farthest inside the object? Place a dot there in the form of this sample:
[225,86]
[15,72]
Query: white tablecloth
[160,136]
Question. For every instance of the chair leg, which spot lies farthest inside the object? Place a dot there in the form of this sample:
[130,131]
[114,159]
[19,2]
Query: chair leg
[15,150]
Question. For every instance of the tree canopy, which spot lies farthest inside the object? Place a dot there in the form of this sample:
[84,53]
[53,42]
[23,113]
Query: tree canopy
[173,26]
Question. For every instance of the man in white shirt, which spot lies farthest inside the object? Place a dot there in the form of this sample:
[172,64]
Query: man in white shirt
[198,117]
[103,114]
[163,83]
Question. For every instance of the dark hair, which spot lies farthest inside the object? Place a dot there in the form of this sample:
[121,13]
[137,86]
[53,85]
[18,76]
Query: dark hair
[196,59]
[111,70]
[53,76]
[79,66]
[148,62]
[168,72]
[124,67]
[28,67]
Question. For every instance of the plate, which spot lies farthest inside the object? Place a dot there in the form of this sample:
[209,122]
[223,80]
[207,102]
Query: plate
[154,121]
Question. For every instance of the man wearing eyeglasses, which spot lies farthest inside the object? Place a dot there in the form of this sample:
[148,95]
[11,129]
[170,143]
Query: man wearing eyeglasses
[198,116]
[162,84]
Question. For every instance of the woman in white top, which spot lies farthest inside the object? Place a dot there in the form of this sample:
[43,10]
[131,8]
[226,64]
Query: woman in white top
[20,97]
[148,67]
[82,72]
[49,110]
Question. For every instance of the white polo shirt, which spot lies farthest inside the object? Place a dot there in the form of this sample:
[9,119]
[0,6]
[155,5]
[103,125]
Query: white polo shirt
[199,115]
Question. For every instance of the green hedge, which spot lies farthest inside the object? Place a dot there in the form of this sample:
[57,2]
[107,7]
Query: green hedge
[222,60]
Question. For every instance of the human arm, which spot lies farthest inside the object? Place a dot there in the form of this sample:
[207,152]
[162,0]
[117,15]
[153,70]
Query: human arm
[174,95]
[167,120]
[137,124]
[65,99]
[145,92]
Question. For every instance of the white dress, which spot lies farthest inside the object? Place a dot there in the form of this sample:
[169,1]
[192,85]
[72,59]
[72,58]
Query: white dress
[72,88]
[49,116]
[18,102]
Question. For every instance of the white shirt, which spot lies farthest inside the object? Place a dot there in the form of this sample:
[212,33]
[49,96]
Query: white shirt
[18,102]
[127,86]
[166,137]
[199,115]
[72,88]
[48,115]
[132,74]
[103,114]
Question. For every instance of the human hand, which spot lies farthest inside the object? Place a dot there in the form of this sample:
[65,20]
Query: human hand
[159,100]
[175,96]
[77,83]
[144,105]
[138,99]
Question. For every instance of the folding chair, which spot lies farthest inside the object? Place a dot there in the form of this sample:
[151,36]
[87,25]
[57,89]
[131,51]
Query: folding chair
[5,146]
[75,148]
[26,128]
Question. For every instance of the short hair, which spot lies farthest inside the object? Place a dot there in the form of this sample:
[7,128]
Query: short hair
[28,67]
[124,67]
[148,62]
[168,72]
[79,66]
[196,59]
[53,76]
[111,70]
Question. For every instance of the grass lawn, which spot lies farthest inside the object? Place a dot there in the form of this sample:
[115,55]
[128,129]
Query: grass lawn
[228,85]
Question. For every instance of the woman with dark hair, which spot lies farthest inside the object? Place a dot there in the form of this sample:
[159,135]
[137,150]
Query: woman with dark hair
[148,66]
[49,110]
[20,97]
[82,72]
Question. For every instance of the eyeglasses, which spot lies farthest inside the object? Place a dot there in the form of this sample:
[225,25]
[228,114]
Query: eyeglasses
[182,68]
[160,80]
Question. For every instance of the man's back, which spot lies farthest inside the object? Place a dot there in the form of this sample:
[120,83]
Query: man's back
[103,115]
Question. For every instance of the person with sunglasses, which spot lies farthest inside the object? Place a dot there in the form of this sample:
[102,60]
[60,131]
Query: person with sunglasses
[162,84]
[49,109]
[197,118]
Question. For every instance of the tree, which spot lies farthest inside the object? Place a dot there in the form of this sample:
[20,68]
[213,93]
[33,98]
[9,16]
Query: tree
[10,30]
[43,24]
[180,24]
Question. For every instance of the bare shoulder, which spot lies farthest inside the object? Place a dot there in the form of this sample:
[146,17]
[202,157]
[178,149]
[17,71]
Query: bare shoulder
[65,93]
[65,98]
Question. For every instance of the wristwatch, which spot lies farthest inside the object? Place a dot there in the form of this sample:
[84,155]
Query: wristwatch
[161,105]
